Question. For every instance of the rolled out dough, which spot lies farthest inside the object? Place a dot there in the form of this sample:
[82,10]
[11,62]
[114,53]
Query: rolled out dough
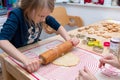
[67,60]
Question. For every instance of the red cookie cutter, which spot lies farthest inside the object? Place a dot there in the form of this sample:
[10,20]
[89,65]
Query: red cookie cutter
[106,44]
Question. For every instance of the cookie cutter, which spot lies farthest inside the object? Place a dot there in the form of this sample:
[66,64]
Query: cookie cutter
[71,35]
[84,42]
[91,39]
[98,49]
[80,36]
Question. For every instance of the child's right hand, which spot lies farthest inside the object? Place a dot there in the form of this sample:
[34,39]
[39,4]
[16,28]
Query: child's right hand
[110,59]
[32,65]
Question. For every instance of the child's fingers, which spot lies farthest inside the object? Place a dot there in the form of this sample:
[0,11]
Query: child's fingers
[81,73]
[74,41]
[86,70]
[101,65]
[40,60]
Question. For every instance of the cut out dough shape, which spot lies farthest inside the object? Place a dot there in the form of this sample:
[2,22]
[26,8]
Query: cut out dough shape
[67,60]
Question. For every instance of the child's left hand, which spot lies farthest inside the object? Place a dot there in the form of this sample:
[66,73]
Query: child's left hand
[75,41]
[85,74]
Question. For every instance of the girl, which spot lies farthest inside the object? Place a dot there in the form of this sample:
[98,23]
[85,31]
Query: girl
[24,25]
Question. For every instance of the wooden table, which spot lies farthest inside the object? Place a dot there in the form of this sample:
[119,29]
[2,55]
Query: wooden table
[12,71]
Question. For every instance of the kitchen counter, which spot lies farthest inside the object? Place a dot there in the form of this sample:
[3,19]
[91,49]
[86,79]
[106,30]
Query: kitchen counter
[13,70]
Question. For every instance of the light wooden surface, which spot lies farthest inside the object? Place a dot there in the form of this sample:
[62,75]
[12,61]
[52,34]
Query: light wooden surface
[11,71]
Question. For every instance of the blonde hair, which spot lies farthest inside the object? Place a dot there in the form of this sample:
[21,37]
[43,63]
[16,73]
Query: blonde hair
[38,5]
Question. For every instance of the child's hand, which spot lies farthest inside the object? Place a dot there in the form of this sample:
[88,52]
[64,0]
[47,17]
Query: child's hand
[110,59]
[75,41]
[32,65]
[85,74]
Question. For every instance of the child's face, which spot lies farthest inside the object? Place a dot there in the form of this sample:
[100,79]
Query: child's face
[41,15]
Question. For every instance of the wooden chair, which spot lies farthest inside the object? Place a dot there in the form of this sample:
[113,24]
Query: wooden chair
[63,18]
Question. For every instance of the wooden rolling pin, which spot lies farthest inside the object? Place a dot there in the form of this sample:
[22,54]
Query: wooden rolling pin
[56,52]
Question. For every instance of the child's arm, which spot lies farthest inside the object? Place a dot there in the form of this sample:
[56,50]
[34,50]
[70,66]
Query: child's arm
[30,64]
[61,30]
[63,33]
